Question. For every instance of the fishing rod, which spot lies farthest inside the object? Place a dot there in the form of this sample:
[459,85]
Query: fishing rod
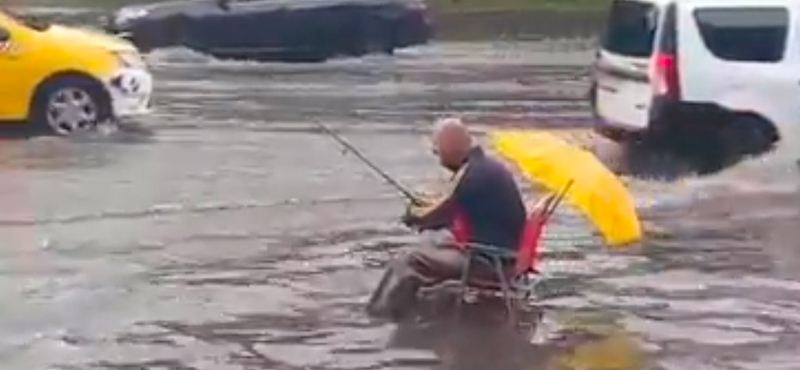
[394,183]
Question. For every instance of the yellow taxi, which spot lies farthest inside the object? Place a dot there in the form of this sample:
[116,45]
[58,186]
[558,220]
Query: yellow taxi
[67,80]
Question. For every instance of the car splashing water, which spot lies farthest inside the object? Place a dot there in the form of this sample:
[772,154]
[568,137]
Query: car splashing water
[236,237]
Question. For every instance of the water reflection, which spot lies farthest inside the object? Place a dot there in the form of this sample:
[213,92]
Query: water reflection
[663,160]
[482,338]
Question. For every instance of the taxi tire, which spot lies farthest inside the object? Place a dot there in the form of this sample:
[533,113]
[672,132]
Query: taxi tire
[95,90]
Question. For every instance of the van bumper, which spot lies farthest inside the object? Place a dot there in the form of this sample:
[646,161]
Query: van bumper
[610,129]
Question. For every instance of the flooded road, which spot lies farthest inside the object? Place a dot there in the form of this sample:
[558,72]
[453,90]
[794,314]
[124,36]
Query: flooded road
[235,236]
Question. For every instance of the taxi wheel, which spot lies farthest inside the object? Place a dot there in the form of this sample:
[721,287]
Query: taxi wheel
[70,105]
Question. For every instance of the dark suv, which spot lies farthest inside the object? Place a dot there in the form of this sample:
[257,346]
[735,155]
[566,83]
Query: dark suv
[276,30]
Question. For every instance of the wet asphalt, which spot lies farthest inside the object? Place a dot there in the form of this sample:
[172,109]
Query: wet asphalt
[225,232]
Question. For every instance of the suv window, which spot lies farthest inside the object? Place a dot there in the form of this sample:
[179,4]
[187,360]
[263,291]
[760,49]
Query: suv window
[631,28]
[744,34]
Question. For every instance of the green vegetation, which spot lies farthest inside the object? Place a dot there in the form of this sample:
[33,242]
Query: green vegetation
[525,5]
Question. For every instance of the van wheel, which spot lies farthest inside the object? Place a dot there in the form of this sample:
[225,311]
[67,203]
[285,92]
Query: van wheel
[69,105]
[753,135]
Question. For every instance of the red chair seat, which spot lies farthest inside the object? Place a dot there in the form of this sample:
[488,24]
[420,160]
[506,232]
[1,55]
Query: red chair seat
[524,260]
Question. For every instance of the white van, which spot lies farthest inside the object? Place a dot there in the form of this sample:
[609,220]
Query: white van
[711,74]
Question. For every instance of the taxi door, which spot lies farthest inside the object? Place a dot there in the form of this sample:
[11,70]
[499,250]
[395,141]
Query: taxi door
[14,75]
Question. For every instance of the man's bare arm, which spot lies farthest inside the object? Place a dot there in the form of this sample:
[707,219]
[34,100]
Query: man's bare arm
[438,213]
[431,216]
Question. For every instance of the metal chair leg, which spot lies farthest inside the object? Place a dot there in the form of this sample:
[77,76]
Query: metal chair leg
[464,288]
[529,288]
[503,284]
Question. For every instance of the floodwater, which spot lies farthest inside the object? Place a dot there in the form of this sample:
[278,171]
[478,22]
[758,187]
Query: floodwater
[227,233]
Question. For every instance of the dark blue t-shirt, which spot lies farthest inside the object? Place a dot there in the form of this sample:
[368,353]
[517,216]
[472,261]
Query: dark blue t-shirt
[490,201]
[487,199]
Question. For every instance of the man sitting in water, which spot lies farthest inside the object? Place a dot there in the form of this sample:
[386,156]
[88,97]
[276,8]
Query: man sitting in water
[484,206]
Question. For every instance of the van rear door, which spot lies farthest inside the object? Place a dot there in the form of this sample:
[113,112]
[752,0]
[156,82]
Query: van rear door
[621,70]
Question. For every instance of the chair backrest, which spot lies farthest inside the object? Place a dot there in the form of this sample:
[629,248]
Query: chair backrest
[528,250]
[460,228]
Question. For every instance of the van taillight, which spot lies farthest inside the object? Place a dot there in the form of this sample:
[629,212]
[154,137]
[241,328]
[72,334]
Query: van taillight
[666,76]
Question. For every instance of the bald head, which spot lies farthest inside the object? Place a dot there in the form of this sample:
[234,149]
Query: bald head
[452,142]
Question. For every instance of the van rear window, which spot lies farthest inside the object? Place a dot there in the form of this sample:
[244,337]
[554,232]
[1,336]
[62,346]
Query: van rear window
[744,34]
[631,28]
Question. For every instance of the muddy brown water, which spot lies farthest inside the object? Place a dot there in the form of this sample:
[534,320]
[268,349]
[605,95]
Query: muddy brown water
[229,234]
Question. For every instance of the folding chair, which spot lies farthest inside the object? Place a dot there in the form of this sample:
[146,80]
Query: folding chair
[515,284]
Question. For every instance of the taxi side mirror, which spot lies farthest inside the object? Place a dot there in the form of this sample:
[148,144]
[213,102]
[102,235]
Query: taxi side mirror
[4,35]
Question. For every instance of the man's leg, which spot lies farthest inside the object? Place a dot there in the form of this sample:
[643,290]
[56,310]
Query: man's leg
[425,266]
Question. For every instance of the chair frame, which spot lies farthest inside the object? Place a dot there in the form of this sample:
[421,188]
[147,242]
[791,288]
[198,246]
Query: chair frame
[523,280]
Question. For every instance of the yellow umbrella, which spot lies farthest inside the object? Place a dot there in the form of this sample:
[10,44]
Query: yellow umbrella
[552,162]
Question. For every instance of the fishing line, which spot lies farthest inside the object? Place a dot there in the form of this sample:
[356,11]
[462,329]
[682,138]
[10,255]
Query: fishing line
[348,147]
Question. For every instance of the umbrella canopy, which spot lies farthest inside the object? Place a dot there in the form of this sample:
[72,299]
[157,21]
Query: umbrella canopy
[551,162]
